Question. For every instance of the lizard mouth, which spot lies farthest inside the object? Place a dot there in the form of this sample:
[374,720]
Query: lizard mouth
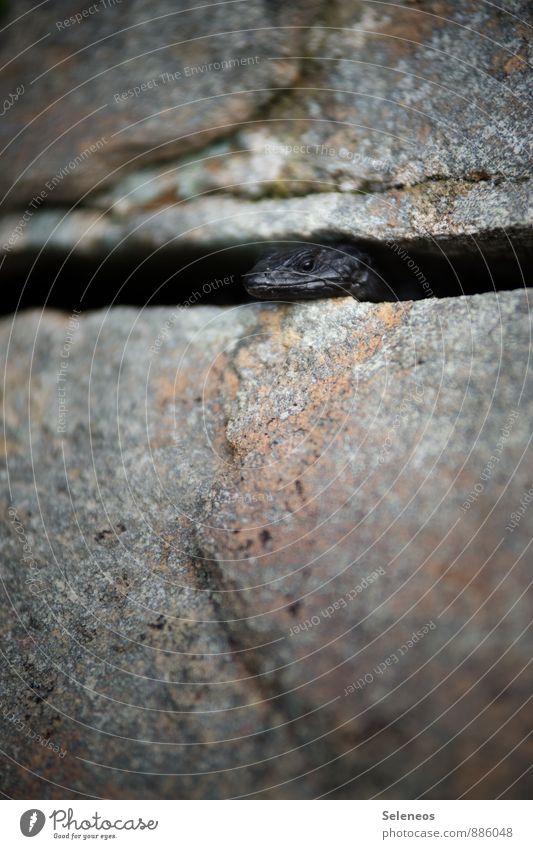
[265,286]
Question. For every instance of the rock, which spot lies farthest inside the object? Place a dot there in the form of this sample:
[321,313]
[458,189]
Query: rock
[378,121]
[276,551]
[114,88]
[431,218]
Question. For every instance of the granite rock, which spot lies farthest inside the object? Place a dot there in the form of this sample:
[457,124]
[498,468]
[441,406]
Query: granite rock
[107,87]
[362,119]
[277,551]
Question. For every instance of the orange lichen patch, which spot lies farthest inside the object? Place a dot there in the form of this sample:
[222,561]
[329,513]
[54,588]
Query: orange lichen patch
[262,425]
[367,348]
[409,28]
[221,384]
[270,431]
[515,64]
[231,384]
[272,319]
[9,447]
[290,337]
[170,386]
[391,315]
[245,358]
[166,389]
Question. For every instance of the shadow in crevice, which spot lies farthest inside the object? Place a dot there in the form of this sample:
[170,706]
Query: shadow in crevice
[172,277]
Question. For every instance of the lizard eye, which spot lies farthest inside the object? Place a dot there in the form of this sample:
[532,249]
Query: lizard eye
[307,264]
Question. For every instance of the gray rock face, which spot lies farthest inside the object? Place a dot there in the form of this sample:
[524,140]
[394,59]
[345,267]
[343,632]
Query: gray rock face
[486,217]
[121,85]
[274,551]
[408,120]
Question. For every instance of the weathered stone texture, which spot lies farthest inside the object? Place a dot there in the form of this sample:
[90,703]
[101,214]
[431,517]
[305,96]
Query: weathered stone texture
[249,510]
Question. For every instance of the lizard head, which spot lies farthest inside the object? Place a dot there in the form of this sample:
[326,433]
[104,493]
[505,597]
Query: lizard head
[312,271]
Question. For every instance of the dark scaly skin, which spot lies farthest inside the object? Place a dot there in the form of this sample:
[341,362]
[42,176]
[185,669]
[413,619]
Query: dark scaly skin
[311,271]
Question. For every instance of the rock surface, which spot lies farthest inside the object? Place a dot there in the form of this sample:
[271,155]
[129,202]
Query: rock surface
[272,550]
[411,121]
[143,85]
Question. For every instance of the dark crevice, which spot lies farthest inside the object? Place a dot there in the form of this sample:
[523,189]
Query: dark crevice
[450,268]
